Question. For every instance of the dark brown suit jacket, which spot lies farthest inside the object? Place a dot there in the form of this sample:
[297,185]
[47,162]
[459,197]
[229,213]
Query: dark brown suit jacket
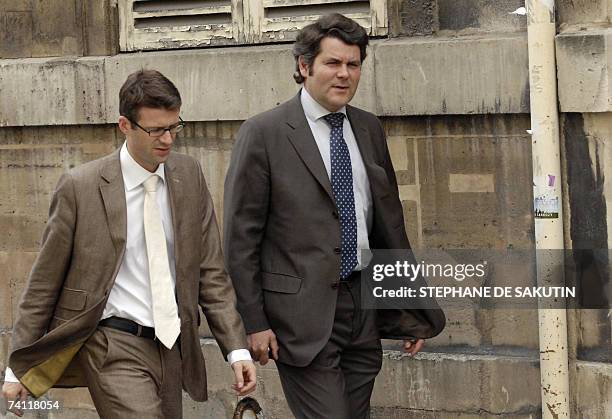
[82,249]
[282,232]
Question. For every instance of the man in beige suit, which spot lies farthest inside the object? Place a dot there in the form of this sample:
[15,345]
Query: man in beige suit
[130,250]
[310,184]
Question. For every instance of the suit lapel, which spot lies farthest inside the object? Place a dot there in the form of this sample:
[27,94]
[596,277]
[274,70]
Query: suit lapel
[174,179]
[113,195]
[304,143]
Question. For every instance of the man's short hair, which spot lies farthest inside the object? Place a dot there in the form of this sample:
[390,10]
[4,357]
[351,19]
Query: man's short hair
[147,88]
[335,25]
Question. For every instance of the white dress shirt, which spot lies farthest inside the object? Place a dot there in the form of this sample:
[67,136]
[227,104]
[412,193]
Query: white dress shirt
[321,132]
[130,297]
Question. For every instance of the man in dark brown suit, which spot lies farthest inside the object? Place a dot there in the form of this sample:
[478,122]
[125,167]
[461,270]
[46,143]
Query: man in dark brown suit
[310,184]
[130,250]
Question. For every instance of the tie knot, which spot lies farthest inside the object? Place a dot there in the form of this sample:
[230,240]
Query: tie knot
[150,184]
[335,119]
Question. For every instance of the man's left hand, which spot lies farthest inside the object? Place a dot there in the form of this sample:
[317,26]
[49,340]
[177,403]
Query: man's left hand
[245,377]
[413,347]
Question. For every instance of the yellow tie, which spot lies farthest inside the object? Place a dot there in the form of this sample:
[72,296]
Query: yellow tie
[165,311]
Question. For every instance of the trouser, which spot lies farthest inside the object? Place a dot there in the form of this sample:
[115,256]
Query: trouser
[132,377]
[338,383]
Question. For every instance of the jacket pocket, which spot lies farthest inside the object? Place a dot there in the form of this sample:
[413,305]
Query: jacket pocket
[285,284]
[72,299]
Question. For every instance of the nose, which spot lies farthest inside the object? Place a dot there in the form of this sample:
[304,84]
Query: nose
[343,72]
[167,138]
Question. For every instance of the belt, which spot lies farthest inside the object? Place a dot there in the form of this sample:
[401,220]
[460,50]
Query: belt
[128,326]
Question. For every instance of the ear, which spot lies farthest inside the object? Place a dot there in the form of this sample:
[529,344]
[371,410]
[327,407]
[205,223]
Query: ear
[124,124]
[303,67]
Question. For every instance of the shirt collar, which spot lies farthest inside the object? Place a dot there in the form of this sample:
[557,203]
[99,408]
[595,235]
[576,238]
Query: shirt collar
[313,109]
[133,173]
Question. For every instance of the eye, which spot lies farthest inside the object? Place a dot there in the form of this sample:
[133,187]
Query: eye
[155,132]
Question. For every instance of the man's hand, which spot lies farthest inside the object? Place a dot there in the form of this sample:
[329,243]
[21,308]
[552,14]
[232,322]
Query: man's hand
[261,343]
[413,347]
[245,378]
[14,392]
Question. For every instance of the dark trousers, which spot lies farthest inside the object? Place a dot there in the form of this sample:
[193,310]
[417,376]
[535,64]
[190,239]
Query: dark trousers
[132,377]
[338,383]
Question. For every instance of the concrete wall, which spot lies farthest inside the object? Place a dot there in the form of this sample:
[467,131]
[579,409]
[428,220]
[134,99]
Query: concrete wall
[53,28]
[400,77]
[451,87]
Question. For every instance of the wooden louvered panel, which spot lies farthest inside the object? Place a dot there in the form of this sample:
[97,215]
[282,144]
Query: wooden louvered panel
[285,3]
[280,20]
[154,24]
[158,24]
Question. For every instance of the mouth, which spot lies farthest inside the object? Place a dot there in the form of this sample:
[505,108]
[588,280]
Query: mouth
[162,151]
[341,88]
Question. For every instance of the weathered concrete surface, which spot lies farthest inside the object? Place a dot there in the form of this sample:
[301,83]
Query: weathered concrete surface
[592,390]
[437,382]
[597,129]
[427,154]
[15,268]
[430,386]
[430,383]
[6,299]
[16,33]
[31,162]
[583,71]
[196,72]
[433,76]
[587,171]
[477,16]
[53,28]
[4,347]
[428,151]
[100,21]
[412,17]
[400,77]
[399,413]
[57,91]
[583,12]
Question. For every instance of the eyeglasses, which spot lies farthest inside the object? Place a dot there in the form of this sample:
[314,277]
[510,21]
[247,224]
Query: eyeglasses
[158,132]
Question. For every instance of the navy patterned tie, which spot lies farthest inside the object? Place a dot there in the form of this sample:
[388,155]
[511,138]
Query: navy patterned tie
[342,186]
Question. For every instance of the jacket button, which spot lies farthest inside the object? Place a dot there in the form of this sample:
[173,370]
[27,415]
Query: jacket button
[335,214]
[337,250]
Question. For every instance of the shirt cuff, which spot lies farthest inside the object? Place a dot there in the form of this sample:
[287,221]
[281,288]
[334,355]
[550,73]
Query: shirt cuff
[239,355]
[9,376]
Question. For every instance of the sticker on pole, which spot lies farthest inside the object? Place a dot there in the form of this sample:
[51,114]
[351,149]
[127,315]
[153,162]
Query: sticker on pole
[546,207]
[546,198]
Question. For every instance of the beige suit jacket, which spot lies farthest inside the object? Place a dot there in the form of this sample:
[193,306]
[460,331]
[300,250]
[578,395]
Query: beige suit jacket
[82,249]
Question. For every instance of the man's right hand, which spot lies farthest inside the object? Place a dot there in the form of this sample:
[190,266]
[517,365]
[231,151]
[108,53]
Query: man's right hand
[14,392]
[260,343]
